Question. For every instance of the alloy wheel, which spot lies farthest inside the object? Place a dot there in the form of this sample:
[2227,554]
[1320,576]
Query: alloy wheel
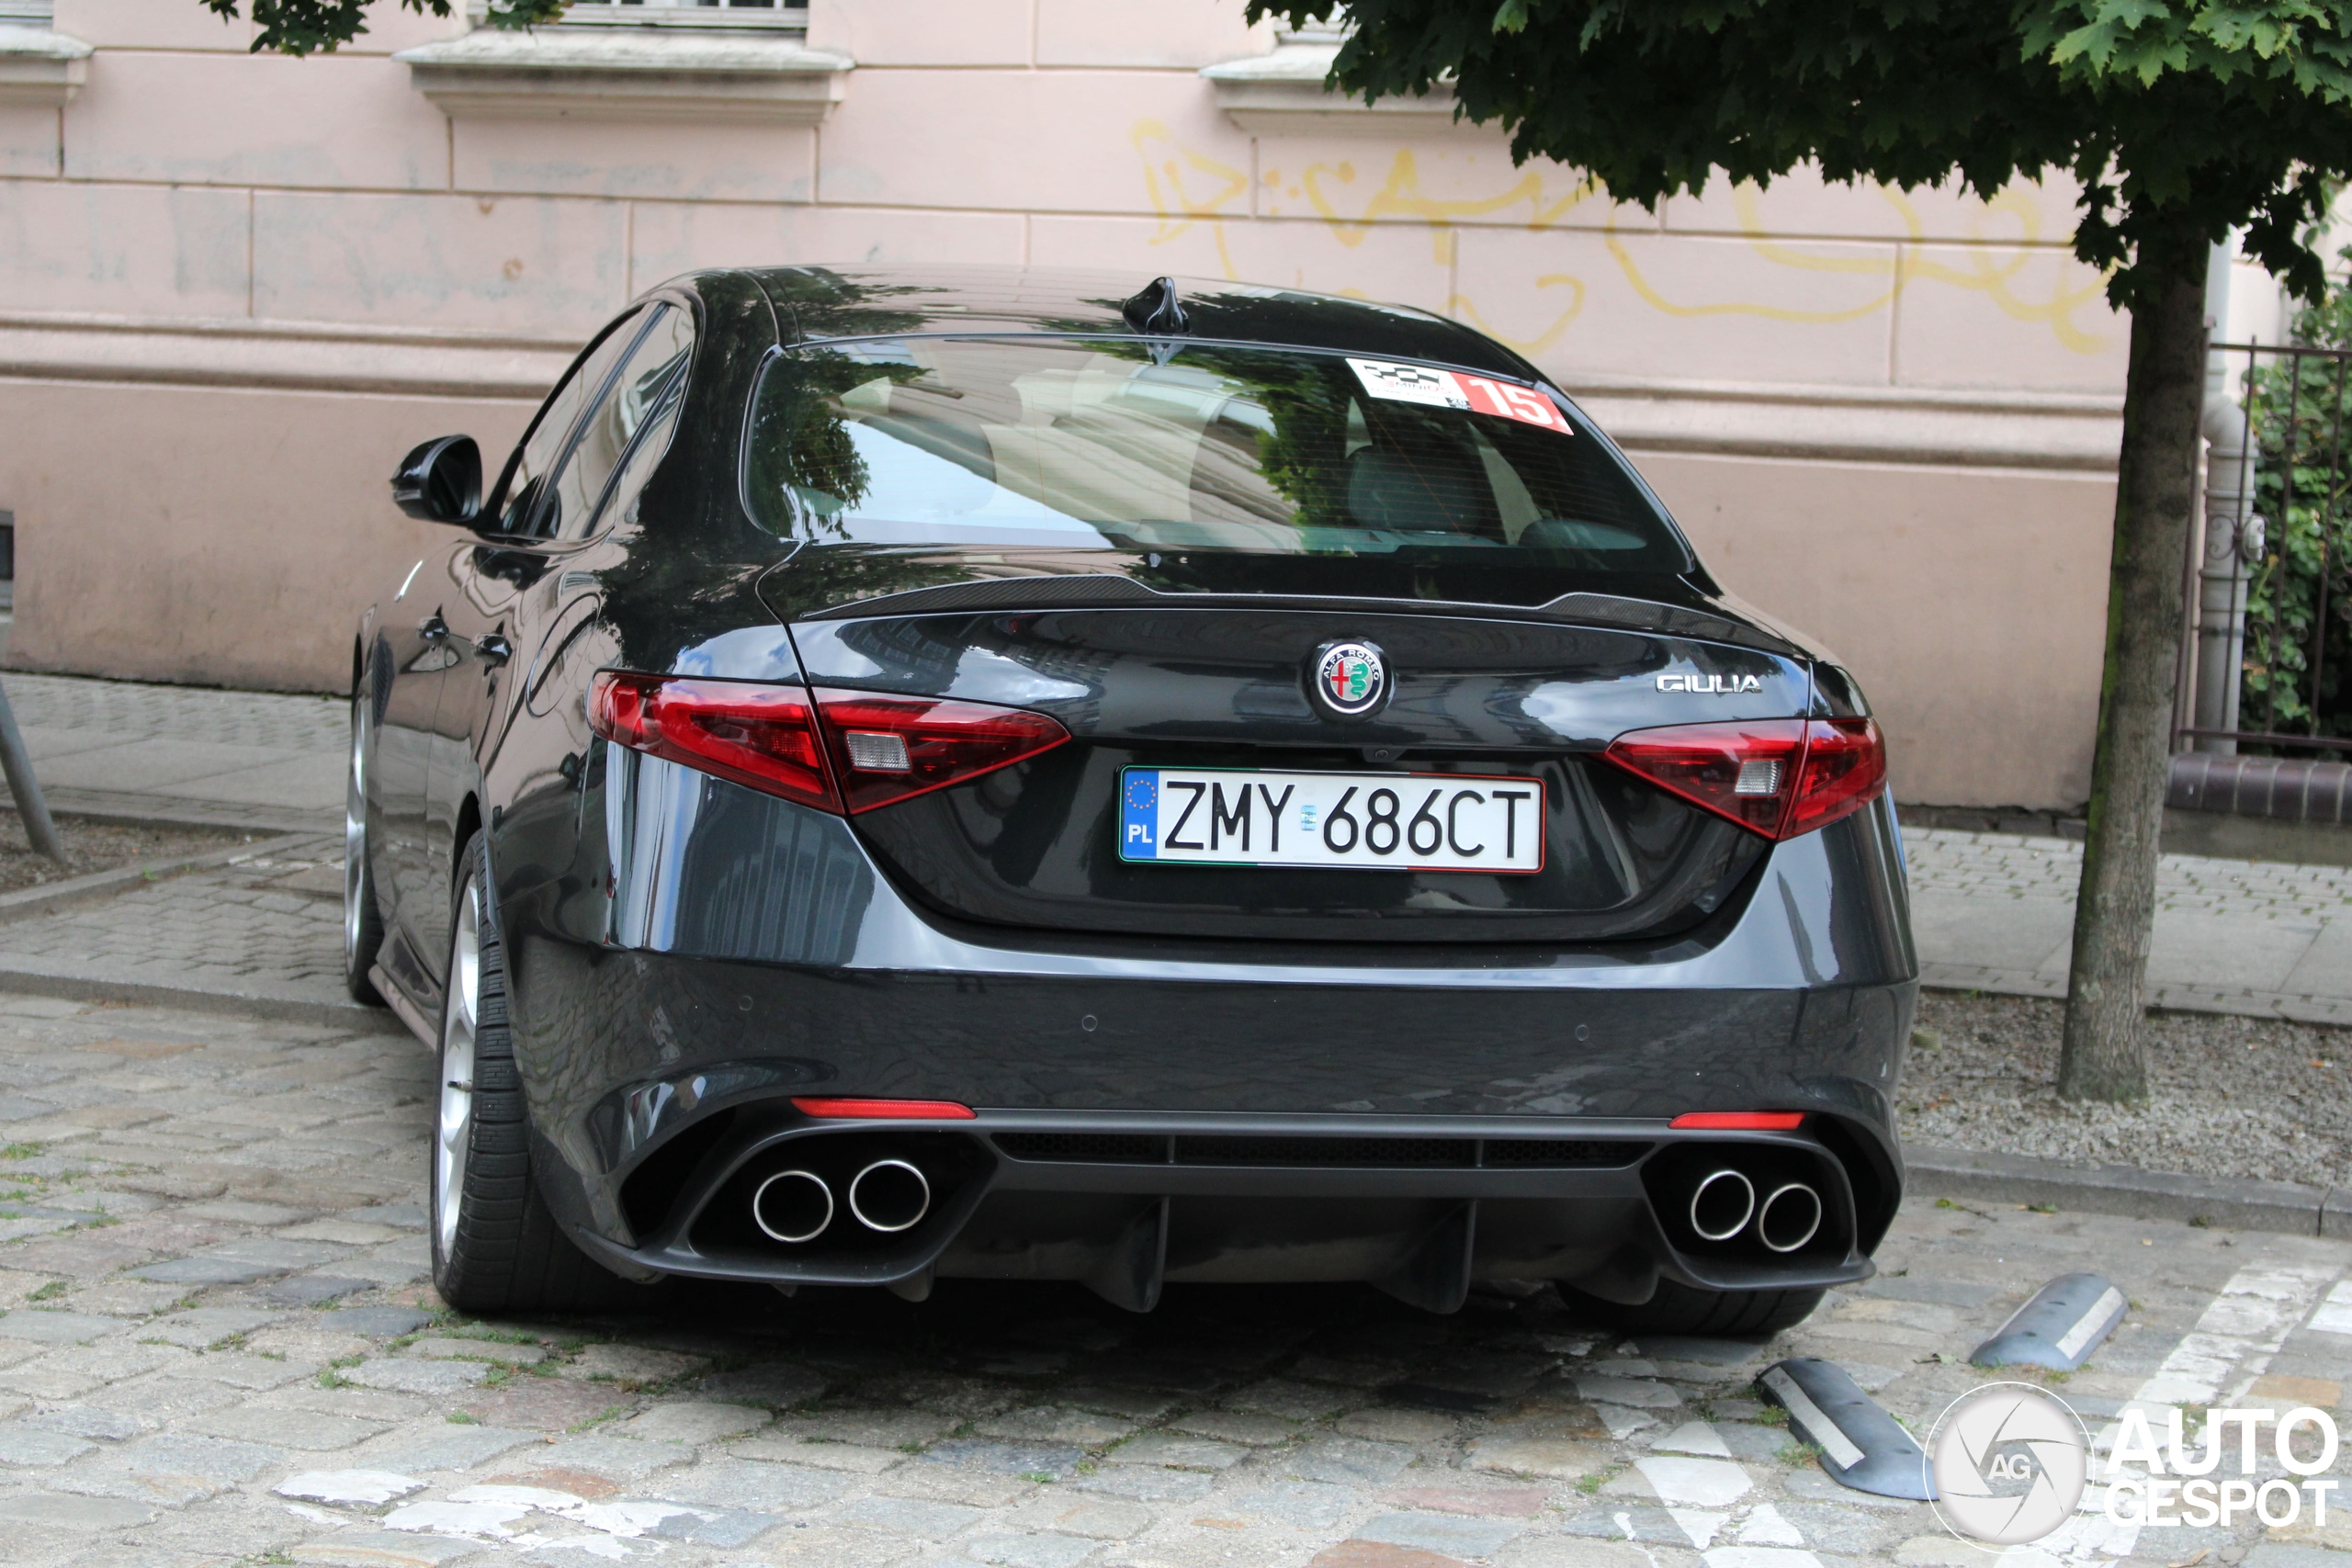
[355,841]
[455,1128]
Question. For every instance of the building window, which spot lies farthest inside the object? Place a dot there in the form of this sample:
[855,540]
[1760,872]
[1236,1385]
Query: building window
[730,16]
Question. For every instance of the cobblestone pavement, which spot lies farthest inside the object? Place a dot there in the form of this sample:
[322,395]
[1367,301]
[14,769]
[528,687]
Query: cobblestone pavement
[265,930]
[219,1347]
[1995,911]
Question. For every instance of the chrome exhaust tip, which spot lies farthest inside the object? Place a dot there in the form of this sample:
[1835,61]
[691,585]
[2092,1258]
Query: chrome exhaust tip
[1722,1205]
[1789,1218]
[793,1206]
[889,1195]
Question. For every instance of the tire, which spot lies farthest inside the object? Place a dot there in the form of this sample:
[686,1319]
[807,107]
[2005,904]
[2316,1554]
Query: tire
[363,918]
[1680,1309]
[496,1246]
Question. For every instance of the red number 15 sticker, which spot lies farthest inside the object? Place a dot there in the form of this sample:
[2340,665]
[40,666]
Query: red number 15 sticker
[1513,402]
[1451,389]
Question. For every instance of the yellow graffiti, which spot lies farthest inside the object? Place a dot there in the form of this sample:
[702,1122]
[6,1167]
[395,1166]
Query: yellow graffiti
[1170,172]
[1401,196]
[1188,189]
[1542,340]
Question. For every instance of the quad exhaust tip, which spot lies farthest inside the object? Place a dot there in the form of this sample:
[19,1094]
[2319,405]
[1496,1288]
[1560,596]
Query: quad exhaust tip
[793,1206]
[1723,1204]
[1789,1218]
[889,1195]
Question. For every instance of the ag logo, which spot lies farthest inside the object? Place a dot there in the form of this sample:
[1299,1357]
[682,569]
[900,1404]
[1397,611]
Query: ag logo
[1351,679]
[2009,1463]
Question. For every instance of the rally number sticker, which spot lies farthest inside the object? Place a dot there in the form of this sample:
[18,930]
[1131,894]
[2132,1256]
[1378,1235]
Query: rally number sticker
[1453,389]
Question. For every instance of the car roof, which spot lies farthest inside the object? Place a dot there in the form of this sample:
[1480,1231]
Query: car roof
[815,303]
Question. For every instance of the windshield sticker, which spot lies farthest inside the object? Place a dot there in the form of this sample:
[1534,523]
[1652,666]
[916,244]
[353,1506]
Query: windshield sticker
[1449,390]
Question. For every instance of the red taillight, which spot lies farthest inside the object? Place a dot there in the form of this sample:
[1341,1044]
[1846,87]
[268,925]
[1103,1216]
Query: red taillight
[762,736]
[1779,777]
[891,748]
[874,750]
[885,1110]
[1738,1121]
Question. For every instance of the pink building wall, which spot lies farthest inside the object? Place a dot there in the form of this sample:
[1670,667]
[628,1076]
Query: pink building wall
[233,289]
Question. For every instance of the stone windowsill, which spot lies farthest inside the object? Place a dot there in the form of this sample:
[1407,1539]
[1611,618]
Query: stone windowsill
[1282,93]
[40,69]
[627,73]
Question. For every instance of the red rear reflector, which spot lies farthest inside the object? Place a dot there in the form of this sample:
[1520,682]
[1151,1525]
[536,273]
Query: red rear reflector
[762,736]
[886,1110]
[1730,1120]
[1779,777]
[887,749]
[875,751]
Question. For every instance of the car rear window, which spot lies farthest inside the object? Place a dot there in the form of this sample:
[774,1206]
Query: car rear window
[1141,444]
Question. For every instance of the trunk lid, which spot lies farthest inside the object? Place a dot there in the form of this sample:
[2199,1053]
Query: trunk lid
[1209,681]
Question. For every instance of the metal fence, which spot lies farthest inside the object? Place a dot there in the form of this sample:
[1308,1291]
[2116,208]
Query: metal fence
[2270,630]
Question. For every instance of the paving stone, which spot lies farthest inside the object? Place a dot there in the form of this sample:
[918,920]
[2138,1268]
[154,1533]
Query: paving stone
[57,1327]
[416,1377]
[248,1372]
[477,1351]
[206,1325]
[375,1322]
[1302,1504]
[383,1549]
[68,1511]
[1007,1459]
[624,1458]
[1055,1424]
[1177,1452]
[631,1363]
[23,1446]
[1447,1533]
[439,1445]
[872,1428]
[309,1290]
[773,1386]
[88,1421]
[694,1422]
[910,1515]
[367,1486]
[307,1429]
[1146,1483]
[1237,1427]
[750,1484]
[548,1404]
[1348,1459]
[1029,1551]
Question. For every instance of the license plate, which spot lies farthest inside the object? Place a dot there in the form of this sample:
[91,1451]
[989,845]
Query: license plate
[1265,817]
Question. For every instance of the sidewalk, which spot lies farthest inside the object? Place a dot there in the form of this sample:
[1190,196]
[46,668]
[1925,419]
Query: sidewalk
[1992,911]
[1995,912]
[236,759]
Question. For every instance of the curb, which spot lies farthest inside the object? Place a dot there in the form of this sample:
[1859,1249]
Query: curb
[287,1009]
[2123,1190]
[172,811]
[99,884]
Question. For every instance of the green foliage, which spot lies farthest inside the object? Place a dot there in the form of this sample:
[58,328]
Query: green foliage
[320,26]
[2180,118]
[2299,408]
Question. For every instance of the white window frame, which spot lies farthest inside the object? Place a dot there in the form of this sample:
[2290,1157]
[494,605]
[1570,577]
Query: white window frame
[663,14]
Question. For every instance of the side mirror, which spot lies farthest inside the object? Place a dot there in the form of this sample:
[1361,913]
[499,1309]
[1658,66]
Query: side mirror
[440,481]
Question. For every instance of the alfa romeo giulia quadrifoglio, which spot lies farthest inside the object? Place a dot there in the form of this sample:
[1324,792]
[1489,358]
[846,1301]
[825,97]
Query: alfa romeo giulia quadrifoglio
[1008,775]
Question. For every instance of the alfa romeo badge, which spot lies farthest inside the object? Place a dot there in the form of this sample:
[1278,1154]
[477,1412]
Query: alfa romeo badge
[1351,679]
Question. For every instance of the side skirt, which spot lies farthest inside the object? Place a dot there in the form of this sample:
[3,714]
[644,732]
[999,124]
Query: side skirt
[404,1008]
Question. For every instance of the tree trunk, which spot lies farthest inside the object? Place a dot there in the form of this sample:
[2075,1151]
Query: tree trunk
[2104,1056]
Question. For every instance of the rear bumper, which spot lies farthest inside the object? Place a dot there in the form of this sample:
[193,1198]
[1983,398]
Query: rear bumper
[748,951]
[1420,1206]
